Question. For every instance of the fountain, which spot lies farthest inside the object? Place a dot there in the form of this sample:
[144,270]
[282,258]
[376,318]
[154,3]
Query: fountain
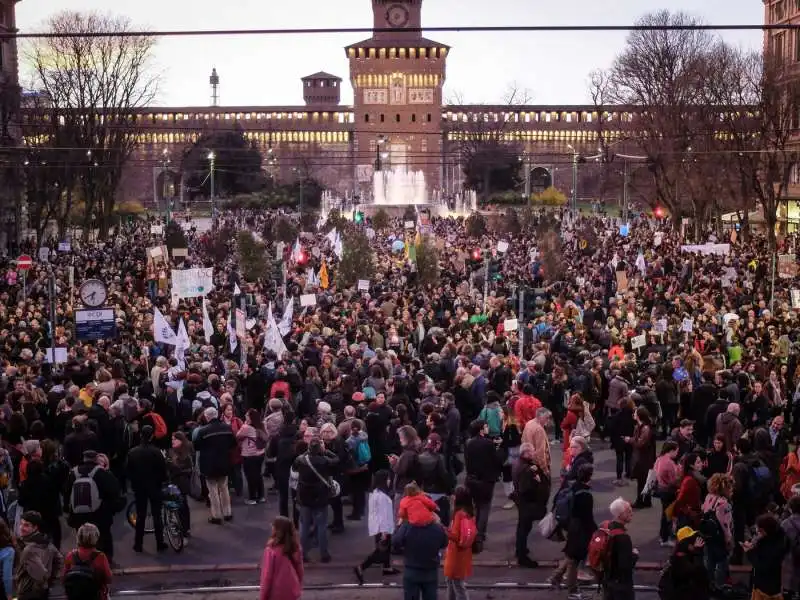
[466,202]
[399,187]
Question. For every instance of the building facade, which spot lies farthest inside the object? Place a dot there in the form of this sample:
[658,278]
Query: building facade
[13,217]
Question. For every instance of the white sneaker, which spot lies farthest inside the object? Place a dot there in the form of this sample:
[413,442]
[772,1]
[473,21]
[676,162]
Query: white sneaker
[668,544]
[250,502]
[508,505]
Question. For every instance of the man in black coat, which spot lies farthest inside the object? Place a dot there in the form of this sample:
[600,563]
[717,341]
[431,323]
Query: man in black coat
[531,493]
[484,466]
[214,444]
[147,472]
[314,470]
[111,501]
[79,441]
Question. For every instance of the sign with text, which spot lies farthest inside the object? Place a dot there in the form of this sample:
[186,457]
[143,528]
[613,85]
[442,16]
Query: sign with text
[308,300]
[363,285]
[96,324]
[64,247]
[191,283]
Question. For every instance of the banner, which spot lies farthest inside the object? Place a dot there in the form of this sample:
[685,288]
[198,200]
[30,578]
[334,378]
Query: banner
[706,249]
[787,266]
[190,283]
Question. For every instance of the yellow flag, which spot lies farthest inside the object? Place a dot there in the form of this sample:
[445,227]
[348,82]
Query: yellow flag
[323,276]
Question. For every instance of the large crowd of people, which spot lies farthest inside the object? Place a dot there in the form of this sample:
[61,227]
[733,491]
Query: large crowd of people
[413,401]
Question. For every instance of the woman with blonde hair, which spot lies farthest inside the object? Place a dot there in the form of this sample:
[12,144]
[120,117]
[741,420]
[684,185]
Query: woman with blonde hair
[282,564]
[718,538]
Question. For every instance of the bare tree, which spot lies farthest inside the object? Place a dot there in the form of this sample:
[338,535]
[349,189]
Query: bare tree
[661,71]
[761,100]
[94,85]
[483,145]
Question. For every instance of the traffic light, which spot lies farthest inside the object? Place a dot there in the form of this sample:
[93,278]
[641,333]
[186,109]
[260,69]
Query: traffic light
[659,212]
[358,216]
[476,254]
[302,257]
[494,270]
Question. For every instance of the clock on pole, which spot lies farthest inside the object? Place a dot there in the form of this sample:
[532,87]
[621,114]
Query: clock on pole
[93,293]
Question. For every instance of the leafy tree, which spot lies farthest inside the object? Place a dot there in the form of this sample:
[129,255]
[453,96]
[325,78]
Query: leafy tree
[174,236]
[252,256]
[220,243]
[427,262]
[380,220]
[511,222]
[550,247]
[335,220]
[358,259]
[308,221]
[549,197]
[283,230]
[475,225]
[237,164]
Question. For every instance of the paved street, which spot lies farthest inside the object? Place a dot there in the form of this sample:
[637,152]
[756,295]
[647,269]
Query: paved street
[240,543]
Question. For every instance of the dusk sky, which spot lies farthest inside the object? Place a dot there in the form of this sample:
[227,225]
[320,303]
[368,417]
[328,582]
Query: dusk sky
[261,70]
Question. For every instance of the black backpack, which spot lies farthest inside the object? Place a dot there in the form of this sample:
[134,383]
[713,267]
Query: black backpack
[80,581]
[710,527]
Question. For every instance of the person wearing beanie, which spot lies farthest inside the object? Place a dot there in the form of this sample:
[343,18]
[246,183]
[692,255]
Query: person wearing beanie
[147,473]
[39,564]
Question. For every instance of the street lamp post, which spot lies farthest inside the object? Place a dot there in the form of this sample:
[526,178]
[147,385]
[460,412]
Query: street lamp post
[211,158]
[164,165]
[574,196]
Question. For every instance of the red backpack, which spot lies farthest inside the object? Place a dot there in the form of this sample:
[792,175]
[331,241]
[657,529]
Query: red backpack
[599,554]
[159,426]
[467,533]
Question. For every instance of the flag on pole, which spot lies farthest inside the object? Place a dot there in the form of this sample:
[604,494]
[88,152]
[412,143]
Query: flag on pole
[272,336]
[311,278]
[332,236]
[338,249]
[162,331]
[641,264]
[208,326]
[183,344]
[288,314]
[237,291]
[323,276]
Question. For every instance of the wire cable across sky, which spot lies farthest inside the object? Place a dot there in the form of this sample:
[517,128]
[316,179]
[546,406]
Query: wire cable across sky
[370,30]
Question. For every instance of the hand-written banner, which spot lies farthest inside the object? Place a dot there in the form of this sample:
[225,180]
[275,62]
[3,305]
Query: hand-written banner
[190,283]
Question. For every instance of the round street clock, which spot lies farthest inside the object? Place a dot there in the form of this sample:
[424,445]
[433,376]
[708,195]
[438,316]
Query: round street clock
[397,15]
[93,293]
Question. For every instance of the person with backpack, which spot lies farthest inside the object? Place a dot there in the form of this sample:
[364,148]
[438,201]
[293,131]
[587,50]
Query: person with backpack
[381,522]
[252,439]
[87,573]
[579,529]
[461,536]
[716,527]
[147,472]
[94,497]
[357,444]
[39,563]
[611,554]
[492,414]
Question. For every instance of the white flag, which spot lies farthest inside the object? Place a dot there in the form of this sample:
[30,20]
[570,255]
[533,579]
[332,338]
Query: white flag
[272,336]
[183,344]
[162,331]
[288,314]
[208,326]
[338,250]
[332,236]
[232,339]
[237,291]
[641,265]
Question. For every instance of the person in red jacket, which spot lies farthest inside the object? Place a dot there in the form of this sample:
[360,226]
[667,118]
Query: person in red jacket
[526,406]
[686,509]
[87,553]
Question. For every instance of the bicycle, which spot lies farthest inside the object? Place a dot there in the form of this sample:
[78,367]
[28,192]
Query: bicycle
[171,502]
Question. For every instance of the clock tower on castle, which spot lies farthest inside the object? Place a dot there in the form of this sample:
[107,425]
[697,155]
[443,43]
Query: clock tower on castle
[397,77]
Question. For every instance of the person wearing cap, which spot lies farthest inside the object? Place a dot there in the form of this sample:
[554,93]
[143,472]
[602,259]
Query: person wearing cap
[147,473]
[39,565]
[111,501]
[685,575]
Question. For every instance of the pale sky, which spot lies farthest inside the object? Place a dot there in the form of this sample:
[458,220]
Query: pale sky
[262,71]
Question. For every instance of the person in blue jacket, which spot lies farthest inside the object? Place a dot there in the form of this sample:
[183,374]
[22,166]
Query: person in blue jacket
[421,548]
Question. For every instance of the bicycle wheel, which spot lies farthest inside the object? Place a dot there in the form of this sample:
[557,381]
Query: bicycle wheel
[131,516]
[173,529]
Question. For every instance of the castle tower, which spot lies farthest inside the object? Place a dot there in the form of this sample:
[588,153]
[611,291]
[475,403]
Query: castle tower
[397,79]
[322,89]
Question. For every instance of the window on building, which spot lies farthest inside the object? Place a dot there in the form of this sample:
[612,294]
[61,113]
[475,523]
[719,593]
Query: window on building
[778,45]
[429,118]
[366,118]
[797,44]
[414,118]
[780,10]
[383,118]
[397,118]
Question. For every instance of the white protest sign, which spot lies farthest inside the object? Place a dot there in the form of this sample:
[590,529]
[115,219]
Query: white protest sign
[44,254]
[180,252]
[190,283]
[156,229]
[687,326]
[502,246]
[155,252]
[279,250]
[409,224]
[308,300]
[657,238]
[638,341]
[64,247]
[55,355]
[795,298]
[363,285]
[661,326]
[510,325]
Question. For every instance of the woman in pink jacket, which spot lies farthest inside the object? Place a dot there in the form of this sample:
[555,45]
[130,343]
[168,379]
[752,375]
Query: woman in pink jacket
[668,475]
[282,566]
